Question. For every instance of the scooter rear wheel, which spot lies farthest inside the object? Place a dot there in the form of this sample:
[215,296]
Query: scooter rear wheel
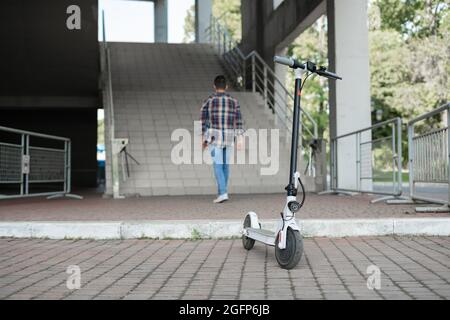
[289,257]
[246,241]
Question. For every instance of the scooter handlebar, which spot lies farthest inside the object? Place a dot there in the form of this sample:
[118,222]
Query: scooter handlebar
[290,62]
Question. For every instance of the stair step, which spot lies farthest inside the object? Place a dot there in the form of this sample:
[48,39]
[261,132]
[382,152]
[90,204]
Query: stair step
[159,88]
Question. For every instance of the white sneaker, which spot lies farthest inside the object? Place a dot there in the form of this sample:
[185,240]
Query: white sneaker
[222,198]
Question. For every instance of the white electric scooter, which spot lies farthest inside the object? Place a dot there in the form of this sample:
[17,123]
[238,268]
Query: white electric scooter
[287,238]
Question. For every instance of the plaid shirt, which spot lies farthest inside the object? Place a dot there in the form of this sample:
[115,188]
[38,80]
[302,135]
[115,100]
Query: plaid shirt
[221,120]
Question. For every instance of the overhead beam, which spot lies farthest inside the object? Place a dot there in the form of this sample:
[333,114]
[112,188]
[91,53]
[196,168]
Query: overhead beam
[267,30]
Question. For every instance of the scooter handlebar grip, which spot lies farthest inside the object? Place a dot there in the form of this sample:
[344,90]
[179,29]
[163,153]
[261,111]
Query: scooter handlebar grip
[329,75]
[289,62]
[284,60]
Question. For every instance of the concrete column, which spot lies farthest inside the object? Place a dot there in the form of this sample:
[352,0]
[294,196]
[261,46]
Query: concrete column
[203,11]
[161,29]
[350,98]
[107,120]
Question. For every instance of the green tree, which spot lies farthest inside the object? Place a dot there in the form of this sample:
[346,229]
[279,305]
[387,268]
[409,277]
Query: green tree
[189,25]
[228,12]
[101,131]
[409,59]
[409,56]
[413,17]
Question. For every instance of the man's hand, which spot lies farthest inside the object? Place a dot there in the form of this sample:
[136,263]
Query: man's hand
[204,145]
[239,143]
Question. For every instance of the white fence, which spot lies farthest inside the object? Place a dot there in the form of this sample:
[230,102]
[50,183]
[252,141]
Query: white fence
[428,155]
[34,164]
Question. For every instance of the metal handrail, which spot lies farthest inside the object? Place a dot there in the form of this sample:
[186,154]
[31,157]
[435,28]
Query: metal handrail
[429,114]
[238,64]
[375,126]
[111,142]
[31,133]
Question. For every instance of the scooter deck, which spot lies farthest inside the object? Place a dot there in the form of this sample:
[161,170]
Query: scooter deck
[262,235]
[263,232]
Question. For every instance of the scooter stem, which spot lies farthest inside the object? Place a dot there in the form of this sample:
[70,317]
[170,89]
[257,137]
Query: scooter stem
[290,188]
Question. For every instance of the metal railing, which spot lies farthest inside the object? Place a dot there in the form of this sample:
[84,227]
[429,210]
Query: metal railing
[34,164]
[374,167]
[251,71]
[428,155]
[113,145]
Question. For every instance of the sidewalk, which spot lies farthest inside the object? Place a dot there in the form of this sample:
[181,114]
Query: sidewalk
[268,206]
[411,268]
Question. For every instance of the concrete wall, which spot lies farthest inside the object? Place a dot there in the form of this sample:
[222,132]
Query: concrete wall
[49,75]
[42,62]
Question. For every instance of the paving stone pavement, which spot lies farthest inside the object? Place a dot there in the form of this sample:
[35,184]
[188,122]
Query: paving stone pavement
[95,208]
[410,268]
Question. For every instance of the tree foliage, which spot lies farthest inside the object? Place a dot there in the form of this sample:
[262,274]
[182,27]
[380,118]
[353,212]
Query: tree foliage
[421,18]
[189,25]
[409,56]
[409,59]
[229,13]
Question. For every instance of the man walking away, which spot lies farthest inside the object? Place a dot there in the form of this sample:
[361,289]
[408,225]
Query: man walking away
[221,123]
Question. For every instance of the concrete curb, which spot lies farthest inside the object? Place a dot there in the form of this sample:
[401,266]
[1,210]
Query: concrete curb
[203,229]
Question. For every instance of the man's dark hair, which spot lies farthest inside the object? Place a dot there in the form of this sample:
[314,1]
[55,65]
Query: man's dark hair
[220,82]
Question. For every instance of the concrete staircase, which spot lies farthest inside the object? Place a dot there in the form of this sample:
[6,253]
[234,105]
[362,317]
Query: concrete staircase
[159,88]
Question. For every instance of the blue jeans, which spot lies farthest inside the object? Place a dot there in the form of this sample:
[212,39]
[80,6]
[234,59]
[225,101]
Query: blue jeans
[221,160]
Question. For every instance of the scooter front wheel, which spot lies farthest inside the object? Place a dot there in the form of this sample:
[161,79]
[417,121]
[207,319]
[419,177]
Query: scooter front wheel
[247,242]
[289,257]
